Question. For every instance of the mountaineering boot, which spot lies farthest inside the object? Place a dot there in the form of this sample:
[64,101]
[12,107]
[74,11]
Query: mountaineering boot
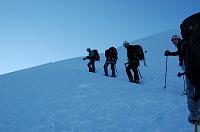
[131,80]
[113,73]
[90,69]
[112,76]
[105,71]
[93,70]
[136,81]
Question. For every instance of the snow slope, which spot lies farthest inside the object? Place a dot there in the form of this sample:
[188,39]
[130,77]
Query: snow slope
[63,97]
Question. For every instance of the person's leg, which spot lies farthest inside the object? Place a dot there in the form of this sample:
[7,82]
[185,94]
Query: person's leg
[128,71]
[93,65]
[193,106]
[89,66]
[113,69]
[136,75]
[106,69]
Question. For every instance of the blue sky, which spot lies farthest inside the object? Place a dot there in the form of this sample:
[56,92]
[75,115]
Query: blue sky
[34,32]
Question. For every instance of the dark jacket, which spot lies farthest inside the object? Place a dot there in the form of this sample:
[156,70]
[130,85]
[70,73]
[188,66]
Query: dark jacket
[91,55]
[179,52]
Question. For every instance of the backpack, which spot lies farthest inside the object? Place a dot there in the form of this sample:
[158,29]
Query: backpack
[139,52]
[113,52]
[107,53]
[190,31]
[96,55]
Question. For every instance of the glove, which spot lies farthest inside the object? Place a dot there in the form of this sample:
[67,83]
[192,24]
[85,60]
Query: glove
[180,74]
[167,53]
[125,64]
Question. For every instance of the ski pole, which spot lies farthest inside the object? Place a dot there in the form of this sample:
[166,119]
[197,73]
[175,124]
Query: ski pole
[184,85]
[139,73]
[196,127]
[184,92]
[145,64]
[166,73]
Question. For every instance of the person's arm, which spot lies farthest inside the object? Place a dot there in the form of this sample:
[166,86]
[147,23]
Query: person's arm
[174,53]
[169,53]
[87,57]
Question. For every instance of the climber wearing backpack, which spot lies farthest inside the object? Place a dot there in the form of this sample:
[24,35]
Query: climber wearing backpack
[177,41]
[111,58]
[134,54]
[93,56]
[190,31]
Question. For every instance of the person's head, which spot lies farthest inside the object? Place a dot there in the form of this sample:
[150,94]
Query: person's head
[175,39]
[125,44]
[88,49]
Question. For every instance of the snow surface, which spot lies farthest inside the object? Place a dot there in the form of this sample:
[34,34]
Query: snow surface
[63,97]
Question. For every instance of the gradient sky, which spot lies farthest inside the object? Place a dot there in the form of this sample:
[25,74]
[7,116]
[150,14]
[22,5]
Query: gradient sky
[34,32]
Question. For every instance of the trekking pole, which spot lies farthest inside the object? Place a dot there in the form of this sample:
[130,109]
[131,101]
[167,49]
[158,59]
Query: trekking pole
[184,92]
[139,73]
[166,73]
[145,64]
[196,127]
